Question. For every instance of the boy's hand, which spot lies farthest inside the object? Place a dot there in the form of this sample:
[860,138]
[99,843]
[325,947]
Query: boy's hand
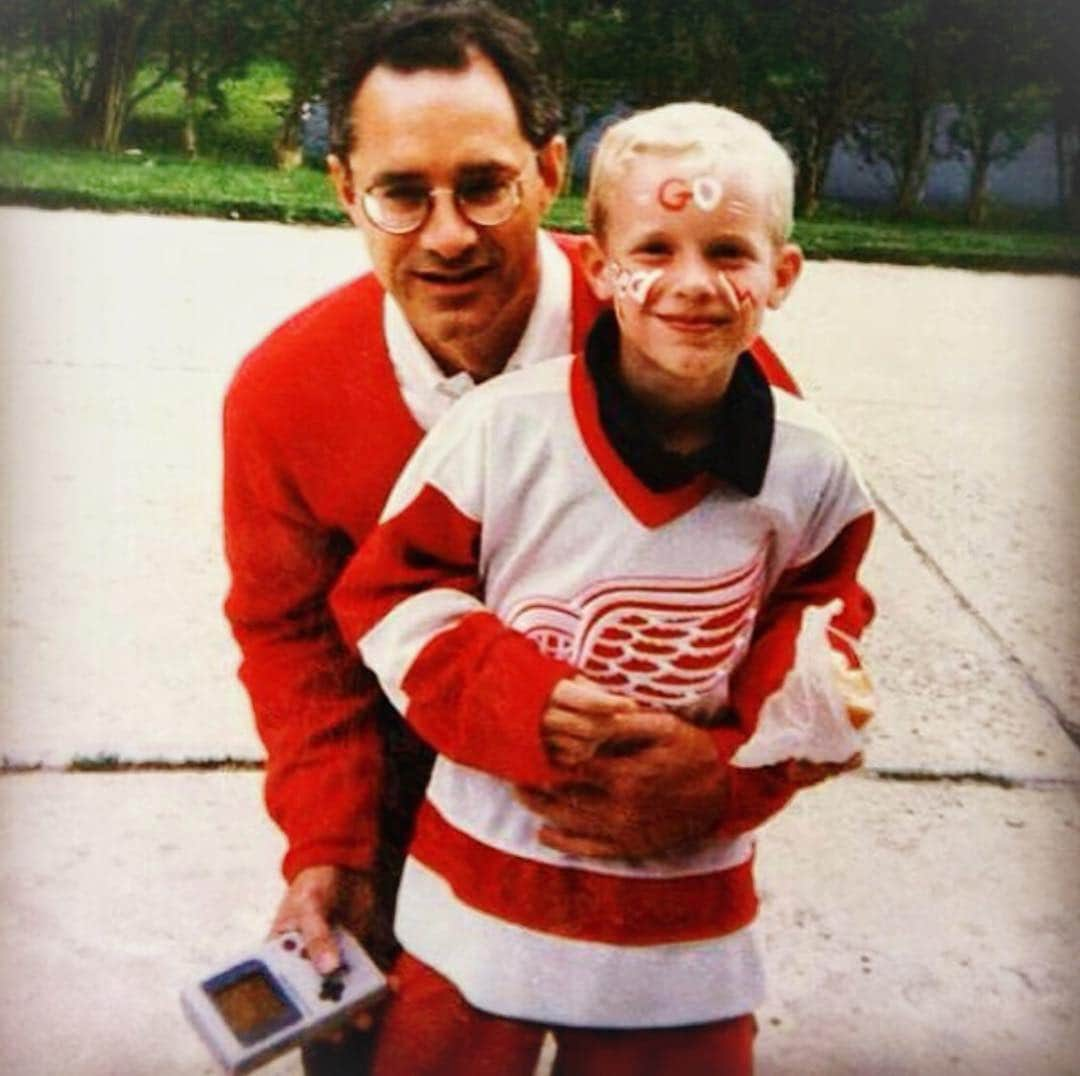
[580,717]
[666,794]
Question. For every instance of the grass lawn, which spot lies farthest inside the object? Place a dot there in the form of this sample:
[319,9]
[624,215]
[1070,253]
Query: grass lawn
[166,183]
[233,179]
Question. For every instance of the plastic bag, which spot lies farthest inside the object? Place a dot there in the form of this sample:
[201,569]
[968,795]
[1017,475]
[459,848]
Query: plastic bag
[808,716]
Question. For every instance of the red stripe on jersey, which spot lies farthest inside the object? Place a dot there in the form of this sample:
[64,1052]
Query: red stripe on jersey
[607,908]
[477,694]
[771,366]
[428,544]
[651,508]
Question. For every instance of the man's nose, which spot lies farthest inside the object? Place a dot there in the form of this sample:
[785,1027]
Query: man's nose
[447,232]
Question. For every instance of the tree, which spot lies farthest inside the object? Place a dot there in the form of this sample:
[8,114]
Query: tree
[820,64]
[898,128]
[17,62]
[209,41]
[301,35]
[1063,33]
[998,81]
[96,49]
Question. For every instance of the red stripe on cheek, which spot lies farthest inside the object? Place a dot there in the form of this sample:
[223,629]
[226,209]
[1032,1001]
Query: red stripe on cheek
[579,904]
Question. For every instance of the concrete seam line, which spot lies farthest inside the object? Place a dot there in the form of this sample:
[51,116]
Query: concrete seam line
[1071,727]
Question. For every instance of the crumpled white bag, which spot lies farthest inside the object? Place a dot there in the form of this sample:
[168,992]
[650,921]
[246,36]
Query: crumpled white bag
[808,716]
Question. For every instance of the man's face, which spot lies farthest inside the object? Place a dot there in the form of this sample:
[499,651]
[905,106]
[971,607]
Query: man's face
[690,261]
[466,289]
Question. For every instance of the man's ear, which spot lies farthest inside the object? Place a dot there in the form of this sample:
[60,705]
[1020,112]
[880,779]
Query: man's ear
[789,263]
[594,263]
[551,163]
[341,176]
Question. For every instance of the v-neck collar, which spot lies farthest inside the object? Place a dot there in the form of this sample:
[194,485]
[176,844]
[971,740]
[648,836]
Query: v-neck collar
[652,508]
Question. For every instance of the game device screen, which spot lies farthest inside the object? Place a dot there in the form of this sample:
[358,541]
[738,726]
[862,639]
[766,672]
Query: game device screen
[252,1006]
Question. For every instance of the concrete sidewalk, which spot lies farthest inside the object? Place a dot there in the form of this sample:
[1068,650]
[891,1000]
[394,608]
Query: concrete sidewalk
[919,917]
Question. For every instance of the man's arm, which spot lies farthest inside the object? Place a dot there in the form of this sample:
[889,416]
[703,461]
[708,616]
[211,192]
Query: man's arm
[313,702]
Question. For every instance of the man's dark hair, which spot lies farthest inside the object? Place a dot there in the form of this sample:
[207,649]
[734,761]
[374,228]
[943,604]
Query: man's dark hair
[415,36]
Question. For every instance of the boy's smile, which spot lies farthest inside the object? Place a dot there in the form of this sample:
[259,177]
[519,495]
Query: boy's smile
[691,277]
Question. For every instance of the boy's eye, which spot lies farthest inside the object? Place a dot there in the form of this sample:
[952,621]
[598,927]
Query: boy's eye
[655,248]
[726,250]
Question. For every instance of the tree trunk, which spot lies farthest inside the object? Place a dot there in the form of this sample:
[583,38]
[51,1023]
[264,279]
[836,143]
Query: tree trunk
[107,103]
[190,135]
[813,168]
[288,152]
[1067,154]
[15,107]
[914,162]
[978,194]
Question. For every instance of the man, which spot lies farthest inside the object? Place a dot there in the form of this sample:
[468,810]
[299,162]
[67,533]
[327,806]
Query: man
[446,156]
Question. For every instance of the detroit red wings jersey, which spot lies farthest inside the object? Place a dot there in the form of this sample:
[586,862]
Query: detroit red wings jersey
[668,643]
[518,548]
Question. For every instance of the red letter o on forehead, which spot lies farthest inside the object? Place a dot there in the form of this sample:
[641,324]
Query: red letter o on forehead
[674,194]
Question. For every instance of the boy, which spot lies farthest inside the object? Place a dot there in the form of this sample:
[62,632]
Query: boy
[578,556]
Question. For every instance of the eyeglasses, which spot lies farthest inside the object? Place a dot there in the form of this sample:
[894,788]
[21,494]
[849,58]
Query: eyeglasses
[403,206]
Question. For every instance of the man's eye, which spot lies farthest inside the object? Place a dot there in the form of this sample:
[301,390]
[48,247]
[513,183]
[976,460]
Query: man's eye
[483,190]
[403,197]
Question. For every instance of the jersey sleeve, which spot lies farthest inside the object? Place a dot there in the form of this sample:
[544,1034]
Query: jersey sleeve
[411,600]
[313,702]
[824,569]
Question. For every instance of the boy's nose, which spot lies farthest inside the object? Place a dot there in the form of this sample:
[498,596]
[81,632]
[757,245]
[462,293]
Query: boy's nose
[447,232]
[695,277]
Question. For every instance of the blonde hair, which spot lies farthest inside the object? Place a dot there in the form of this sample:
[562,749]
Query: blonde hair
[710,133]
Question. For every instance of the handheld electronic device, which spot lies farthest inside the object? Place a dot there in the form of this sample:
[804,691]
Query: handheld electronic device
[272,998]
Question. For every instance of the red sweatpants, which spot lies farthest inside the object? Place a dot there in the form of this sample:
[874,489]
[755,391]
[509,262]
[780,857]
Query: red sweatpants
[429,1029]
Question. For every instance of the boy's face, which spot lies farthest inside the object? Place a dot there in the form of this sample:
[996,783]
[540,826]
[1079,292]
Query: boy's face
[691,264]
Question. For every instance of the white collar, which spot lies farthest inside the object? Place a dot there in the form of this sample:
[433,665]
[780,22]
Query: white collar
[429,392]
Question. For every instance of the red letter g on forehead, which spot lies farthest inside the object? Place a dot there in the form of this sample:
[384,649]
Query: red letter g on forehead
[674,194]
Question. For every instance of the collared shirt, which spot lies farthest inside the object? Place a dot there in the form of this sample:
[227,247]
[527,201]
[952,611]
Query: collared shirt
[429,392]
[742,423]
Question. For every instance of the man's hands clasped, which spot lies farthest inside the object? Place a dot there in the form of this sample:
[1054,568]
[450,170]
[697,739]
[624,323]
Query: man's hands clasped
[639,782]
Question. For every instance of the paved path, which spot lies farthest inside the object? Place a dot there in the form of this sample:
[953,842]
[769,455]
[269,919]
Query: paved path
[920,917]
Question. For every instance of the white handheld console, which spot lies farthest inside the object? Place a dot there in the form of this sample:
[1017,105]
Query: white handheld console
[272,998]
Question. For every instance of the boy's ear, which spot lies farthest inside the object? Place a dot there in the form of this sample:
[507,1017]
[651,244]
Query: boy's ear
[594,262]
[789,263]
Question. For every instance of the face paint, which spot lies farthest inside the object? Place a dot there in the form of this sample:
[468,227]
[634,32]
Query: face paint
[736,294]
[705,192]
[633,283]
[674,194]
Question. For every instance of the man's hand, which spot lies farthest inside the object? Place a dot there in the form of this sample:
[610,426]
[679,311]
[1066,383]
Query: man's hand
[316,898]
[655,788]
[319,896]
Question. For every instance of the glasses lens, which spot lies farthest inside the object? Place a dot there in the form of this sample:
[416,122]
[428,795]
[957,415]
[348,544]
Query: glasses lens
[488,200]
[396,208]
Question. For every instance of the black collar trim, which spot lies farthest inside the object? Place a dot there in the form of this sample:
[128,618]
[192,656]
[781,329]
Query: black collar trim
[743,423]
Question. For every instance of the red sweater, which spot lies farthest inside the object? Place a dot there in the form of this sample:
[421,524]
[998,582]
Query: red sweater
[315,435]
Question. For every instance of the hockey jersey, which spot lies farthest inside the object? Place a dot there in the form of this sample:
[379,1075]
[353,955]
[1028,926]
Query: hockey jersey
[516,549]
